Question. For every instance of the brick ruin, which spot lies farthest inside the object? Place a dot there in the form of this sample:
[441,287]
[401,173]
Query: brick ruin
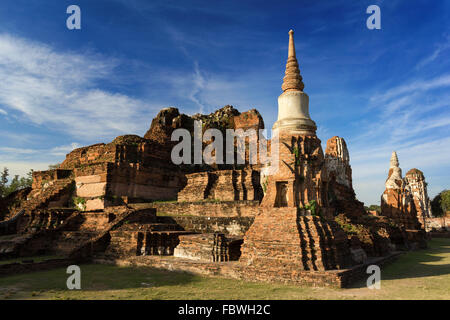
[126,202]
[405,200]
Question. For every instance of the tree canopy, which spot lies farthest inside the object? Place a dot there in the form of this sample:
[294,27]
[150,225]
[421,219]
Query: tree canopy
[373,207]
[15,184]
[441,203]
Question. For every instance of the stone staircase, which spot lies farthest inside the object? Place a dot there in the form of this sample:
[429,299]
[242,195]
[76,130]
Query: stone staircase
[40,198]
[83,229]
[9,226]
[21,219]
[42,228]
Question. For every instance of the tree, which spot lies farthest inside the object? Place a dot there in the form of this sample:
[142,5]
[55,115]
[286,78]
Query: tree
[441,203]
[3,182]
[16,183]
[373,207]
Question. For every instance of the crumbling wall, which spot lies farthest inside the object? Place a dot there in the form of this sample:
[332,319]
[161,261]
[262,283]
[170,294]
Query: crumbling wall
[341,194]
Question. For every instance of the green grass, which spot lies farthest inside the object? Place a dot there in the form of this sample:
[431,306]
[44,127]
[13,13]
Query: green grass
[35,259]
[423,274]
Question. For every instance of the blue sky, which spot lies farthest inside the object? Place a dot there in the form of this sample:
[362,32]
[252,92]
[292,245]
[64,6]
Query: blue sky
[382,90]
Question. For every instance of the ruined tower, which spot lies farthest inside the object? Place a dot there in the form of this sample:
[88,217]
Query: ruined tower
[299,181]
[292,232]
[415,181]
[397,202]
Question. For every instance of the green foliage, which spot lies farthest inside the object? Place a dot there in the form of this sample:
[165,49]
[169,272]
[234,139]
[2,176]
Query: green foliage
[373,207]
[264,185]
[15,184]
[348,227]
[297,156]
[441,203]
[3,182]
[312,205]
[79,203]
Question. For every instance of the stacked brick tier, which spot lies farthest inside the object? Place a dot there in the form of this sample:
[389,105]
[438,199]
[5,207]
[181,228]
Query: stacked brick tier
[213,247]
[223,185]
[241,208]
[300,177]
[283,238]
[107,184]
[230,226]
[143,233]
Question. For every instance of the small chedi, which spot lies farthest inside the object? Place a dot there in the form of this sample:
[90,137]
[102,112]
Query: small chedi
[126,202]
[406,199]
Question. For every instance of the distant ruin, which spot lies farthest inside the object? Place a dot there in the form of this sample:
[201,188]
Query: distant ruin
[125,202]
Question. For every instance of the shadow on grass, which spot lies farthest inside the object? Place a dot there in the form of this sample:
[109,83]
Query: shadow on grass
[417,264]
[95,277]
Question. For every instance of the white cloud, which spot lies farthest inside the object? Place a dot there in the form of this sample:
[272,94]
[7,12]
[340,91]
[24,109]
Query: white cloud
[16,150]
[19,155]
[21,168]
[63,150]
[60,90]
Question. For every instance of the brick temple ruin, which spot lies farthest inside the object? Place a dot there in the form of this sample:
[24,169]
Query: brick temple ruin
[125,202]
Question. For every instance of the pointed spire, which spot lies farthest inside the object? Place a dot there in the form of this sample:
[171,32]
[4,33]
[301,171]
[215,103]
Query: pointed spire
[394,160]
[394,180]
[292,79]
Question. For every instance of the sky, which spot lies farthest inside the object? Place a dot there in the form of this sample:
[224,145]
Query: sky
[381,90]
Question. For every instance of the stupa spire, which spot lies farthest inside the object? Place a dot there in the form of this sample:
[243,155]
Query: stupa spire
[394,160]
[292,80]
[394,180]
[293,103]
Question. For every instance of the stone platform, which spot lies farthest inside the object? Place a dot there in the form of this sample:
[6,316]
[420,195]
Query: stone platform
[237,270]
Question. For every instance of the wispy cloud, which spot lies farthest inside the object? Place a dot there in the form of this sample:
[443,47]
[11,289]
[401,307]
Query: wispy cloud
[440,48]
[412,118]
[21,160]
[11,153]
[415,86]
[60,90]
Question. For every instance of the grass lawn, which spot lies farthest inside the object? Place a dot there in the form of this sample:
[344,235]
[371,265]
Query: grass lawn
[35,259]
[423,274]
